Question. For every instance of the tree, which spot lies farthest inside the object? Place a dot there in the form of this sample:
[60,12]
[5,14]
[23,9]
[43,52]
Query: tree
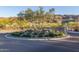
[21,16]
[39,14]
[29,14]
[52,15]
[51,11]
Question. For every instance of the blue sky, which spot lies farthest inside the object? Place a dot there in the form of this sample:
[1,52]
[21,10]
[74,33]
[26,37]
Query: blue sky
[6,11]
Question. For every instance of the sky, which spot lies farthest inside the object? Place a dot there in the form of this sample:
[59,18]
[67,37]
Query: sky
[9,11]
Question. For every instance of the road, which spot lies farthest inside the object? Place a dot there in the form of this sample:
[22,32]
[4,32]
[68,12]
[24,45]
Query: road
[14,45]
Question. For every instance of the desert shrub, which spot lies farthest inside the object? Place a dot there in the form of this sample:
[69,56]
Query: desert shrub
[43,33]
[16,33]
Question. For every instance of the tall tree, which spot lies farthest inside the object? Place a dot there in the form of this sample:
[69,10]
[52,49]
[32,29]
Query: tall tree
[21,15]
[52,10]
[52,14]
[29,14]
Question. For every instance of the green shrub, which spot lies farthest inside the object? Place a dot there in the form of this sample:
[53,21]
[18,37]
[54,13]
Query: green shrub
[43,33]
[16,33]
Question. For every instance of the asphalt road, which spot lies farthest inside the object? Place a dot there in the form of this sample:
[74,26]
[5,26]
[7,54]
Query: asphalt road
[14,45]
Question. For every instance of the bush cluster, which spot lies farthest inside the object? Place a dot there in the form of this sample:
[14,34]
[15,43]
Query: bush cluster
[38,33]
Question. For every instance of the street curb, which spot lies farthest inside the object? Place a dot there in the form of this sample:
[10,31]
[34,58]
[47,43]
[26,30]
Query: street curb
[17,38]
[73,32]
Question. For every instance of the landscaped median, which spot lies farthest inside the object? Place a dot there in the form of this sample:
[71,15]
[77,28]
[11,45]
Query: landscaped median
[35,35]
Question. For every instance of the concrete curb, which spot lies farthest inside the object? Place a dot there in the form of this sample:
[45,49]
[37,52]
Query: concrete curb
[73,32]
[17,38]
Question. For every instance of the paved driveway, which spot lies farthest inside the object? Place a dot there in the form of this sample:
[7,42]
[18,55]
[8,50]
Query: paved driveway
[64,45]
